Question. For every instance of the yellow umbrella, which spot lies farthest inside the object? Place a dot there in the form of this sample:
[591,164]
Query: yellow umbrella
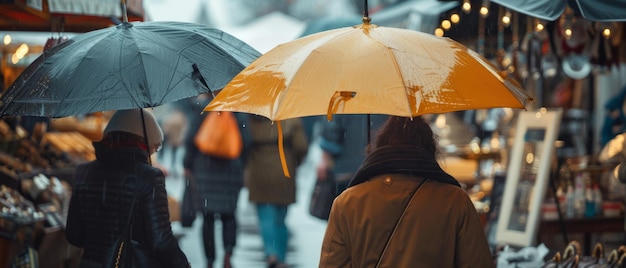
[368,69]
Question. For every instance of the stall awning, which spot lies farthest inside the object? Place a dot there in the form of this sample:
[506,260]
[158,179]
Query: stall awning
[594,10]
[64,15]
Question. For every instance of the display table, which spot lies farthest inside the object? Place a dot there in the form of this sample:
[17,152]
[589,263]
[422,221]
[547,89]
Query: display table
[585,226]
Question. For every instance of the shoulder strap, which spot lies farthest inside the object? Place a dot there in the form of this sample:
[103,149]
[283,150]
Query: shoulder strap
[130,216]
[380,259]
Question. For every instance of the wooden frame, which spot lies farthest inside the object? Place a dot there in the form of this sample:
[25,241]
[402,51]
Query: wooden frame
[527,176]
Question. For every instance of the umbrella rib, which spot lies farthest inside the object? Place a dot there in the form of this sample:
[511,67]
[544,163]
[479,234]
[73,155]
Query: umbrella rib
[295,74]
[399,71]
[149,97]
[68,93]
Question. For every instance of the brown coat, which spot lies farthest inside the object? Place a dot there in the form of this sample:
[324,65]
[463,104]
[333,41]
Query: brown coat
[440,229]
[263,175]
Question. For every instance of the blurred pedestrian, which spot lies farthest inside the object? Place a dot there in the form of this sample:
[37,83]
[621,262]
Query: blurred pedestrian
[173,119]
[343,141]
[218,181]
[104,190]
[402,210]
[268,187]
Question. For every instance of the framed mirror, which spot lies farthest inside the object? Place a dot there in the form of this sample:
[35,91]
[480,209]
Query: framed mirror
[527,176]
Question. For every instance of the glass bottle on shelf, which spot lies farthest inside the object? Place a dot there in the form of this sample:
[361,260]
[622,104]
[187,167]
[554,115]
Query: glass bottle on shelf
[579,195]
[570,211]
[597,194]
[590,205]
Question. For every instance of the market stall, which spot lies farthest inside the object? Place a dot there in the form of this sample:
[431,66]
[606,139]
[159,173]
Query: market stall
[568,62]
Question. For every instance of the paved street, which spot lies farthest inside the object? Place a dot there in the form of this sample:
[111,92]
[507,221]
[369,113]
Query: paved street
[306,231]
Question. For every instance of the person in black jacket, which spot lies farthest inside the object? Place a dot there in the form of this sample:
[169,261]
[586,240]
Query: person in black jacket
[104,188]
[218,181]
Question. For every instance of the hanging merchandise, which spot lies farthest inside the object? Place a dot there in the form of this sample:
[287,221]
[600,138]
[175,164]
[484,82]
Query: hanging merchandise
[28,258]
[576,66]
[605,44]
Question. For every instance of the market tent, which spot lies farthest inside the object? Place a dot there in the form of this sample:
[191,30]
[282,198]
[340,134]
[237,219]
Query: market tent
[594,10]
[65,15]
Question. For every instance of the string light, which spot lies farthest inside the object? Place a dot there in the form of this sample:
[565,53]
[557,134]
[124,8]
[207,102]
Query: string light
[484,9]
[606,33]
[568,33]
[445,24]
[567,20]
[467,7]
[606,29]
[455,18]
[439,32]
[19,54]
[7,40]
[538,26]
[506,19]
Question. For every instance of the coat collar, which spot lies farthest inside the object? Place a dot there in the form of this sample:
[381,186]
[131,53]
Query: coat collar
[406,159]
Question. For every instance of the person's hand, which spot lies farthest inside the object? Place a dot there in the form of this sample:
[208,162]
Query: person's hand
[324,166]
[321,172]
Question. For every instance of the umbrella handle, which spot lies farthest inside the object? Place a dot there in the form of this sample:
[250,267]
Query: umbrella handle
[336,100]
[196,72]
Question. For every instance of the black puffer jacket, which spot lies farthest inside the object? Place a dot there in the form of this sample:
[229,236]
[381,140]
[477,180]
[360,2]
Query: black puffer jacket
[100,204]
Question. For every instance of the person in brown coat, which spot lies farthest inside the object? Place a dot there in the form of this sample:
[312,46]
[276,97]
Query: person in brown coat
[268,187]
[402,210]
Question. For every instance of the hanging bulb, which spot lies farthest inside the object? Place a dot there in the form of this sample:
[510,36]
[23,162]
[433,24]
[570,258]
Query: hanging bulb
[7,40]
[567,21]
[439,32]
[538,26]
[506,19]
[568,33]
[484,9]
[455,18]
[445,24]
[606,32]
[467,6]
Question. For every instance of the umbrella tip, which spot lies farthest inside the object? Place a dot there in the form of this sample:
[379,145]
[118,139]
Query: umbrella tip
[367,20]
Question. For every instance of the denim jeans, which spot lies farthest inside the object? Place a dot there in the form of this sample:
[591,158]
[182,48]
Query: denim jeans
[273,229]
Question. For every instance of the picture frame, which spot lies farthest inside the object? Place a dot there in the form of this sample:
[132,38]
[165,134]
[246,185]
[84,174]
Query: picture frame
[527,176]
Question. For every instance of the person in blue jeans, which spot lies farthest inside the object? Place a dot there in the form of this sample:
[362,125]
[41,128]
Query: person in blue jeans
[269,189]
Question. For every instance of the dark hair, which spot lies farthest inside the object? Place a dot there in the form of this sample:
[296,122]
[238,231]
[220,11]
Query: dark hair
[406,131]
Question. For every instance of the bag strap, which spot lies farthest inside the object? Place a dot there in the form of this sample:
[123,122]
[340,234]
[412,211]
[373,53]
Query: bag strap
[132,207]
[380,259]
[126,230]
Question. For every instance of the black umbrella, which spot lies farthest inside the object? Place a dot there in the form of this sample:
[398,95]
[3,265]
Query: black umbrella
[131,65]
[594,10]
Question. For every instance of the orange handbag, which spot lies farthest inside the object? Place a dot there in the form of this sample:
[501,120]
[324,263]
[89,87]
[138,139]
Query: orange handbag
[219,136]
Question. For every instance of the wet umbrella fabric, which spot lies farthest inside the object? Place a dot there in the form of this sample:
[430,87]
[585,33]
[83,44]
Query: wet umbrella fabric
[367,69]
[594,10]
[131,65]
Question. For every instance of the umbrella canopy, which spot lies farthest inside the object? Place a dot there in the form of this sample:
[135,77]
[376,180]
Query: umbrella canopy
[595,10]
[131,65]
[367,69]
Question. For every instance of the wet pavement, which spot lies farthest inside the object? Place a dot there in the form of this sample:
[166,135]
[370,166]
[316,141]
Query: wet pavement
[306,232]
